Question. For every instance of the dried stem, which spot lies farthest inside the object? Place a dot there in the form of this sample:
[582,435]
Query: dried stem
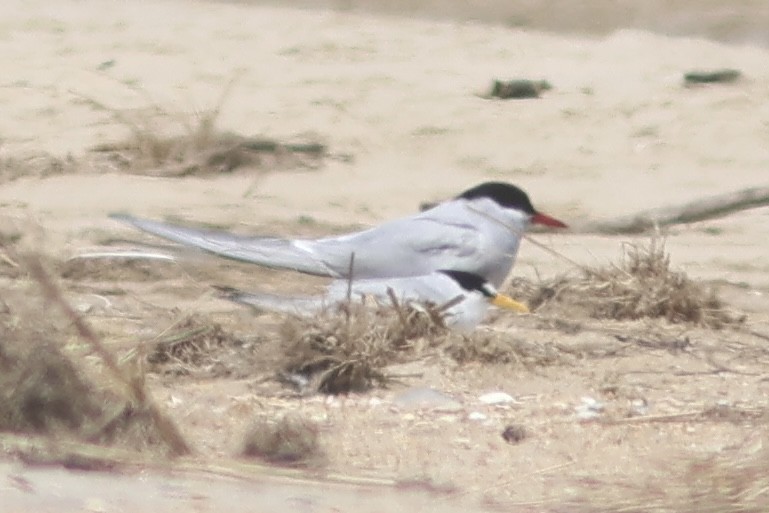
[166,427]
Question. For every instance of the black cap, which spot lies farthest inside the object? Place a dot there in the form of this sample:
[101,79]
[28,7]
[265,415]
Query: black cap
[504,194]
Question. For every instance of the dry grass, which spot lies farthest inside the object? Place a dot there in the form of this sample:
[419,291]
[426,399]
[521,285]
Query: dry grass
[291,440]
[727,486]
[348,348]
[732,484]
[642,286]
[204,151]
[163,143]
[198,348]
[36,164]
[44,391]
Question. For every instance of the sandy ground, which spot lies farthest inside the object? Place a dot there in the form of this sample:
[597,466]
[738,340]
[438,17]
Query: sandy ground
[618,133]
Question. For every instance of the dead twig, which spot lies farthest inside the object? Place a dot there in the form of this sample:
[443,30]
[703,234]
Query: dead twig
[397,307]
[668,417]
[135,387]
[703,209]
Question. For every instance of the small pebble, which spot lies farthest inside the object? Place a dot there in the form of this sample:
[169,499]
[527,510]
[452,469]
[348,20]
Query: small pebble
[589,409]
[425,398]
[514,433]
[84,308]
[496,398]
[639,407]
[478,416]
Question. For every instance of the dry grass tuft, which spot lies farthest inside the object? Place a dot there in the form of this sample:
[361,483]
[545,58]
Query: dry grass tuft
[642,286]
[346,350]
[199,348]
[291,440]
[205,151]
[163,143]
[349,348]
[44,391]
[36,164]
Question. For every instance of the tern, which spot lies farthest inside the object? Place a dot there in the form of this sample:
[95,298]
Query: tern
[463,298]
[478,232]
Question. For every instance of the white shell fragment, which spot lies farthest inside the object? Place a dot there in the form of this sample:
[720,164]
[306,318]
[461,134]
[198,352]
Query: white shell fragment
[496,398]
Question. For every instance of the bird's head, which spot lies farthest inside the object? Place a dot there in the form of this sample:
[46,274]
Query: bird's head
[510,198]
[473,284]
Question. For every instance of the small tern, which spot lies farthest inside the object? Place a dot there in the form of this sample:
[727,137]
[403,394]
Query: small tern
[466,296]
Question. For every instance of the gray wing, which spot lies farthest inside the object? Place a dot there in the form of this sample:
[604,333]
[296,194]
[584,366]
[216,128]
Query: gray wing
[266,251]
[408,247]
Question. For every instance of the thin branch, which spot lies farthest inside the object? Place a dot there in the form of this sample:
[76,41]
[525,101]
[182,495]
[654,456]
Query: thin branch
[712,207]
[350,277]
[135,387]
[396,305]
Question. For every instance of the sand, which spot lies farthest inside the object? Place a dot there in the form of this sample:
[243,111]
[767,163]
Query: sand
[402,95]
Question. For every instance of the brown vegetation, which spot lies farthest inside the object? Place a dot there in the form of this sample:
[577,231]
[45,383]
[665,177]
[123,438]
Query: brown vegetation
[641,286]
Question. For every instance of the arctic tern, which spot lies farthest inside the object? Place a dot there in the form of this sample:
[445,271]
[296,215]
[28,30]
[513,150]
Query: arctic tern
[478,231]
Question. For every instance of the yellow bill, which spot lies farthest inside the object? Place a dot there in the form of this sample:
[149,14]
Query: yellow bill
[509,303]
